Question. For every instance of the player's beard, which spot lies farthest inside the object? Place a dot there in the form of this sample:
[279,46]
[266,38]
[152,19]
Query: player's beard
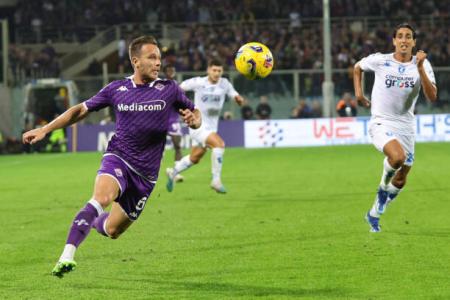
[147,76]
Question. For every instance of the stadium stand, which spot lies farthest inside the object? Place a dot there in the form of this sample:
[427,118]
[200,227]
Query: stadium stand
[193,31]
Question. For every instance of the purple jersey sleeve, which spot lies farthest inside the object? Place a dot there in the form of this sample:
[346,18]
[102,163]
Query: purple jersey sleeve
[182,101]
[101,100]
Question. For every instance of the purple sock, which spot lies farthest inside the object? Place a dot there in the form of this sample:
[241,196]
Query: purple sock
[82,225]
[99,223]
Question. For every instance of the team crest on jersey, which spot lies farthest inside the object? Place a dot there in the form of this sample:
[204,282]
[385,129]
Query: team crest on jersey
[122,89]
[118,172]
[401,69]
[159,86]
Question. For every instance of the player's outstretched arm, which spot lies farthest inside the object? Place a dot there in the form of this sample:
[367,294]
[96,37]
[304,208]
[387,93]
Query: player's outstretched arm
[69,117]
[239,100]
[429,89]
[192,118]
[357,83]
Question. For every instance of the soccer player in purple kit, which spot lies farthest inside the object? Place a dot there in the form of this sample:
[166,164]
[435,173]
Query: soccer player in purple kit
[130,165]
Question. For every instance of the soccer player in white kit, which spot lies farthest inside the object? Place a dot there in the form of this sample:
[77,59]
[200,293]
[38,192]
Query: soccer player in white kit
[209,94]
[398,79]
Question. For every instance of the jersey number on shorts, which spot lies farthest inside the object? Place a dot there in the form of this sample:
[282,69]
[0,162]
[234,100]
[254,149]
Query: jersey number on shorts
[141,203]
[176,127]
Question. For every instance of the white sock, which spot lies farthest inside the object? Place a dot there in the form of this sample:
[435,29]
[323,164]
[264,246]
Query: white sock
[97,206]
[68,252]
[182,164]
[393,191]
[373,211]
[216,163]
[388,173]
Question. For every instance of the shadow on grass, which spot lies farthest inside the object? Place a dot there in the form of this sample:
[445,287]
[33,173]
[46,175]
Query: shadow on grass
[325,197]
[165,281]
[428,234]
[231,289]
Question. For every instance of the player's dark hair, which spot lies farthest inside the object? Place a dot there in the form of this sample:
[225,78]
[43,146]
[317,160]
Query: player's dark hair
[215,62]
[167,67]
[404,25]
[136,45]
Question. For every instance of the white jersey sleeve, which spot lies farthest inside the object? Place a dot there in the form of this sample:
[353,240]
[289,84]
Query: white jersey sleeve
[190,84]
[371,62]
[231,92]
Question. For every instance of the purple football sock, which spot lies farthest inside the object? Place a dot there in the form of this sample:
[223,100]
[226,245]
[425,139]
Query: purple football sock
[82,225]
[99,223]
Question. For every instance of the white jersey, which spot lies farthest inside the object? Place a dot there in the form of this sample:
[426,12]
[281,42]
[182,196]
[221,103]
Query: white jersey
[395,91]
[209,98]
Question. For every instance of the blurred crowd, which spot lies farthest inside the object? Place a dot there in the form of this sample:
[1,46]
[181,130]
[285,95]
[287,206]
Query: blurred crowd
[38,14]
[296,44]
[301,47]
[217,28]
[293,48]
[26,63]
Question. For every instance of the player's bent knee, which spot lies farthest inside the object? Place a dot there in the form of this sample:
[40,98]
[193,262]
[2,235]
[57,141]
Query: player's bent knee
[195,160]
[399,182]
[105,200]
[196,157]
[114,233]
[114,237]
[218,143]
[398,159]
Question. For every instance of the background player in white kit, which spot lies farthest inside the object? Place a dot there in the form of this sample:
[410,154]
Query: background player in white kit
[398,78]
[209,93]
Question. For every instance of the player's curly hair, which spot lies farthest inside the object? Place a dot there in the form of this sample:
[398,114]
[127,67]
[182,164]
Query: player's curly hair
[136,45]
[404,25]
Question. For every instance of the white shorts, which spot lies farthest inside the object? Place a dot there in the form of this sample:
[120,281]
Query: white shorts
[382,134]
[200,135]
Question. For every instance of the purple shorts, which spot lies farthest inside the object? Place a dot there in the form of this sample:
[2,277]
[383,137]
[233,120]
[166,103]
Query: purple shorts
[174,124]
[174,128]
[134,189]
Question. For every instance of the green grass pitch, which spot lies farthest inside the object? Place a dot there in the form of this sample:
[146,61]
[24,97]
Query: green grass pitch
[290,227]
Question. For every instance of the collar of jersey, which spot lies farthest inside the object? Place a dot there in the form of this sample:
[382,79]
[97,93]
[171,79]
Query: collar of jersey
[151,84]
[412,61]
[209,82]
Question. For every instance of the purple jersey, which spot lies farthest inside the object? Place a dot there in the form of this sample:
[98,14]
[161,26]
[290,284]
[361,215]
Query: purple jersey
[174,117]
[174,121]
[142,118]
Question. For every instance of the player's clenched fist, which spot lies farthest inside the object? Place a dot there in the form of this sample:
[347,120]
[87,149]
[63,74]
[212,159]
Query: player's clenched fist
[191,118]
[420,57]
[33,136]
